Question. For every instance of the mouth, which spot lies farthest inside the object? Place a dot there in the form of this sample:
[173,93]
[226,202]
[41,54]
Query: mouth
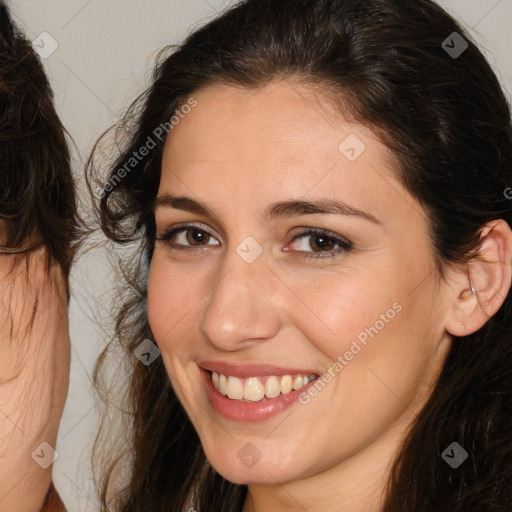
[255,393]
[260,388]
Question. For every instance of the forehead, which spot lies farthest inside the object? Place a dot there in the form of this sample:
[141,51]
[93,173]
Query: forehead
[280,140]
[292,122]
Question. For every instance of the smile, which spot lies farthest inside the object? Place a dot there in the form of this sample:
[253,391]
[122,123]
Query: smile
[253,392]
[256,389]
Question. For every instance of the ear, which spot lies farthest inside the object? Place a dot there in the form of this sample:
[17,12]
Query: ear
[490,274]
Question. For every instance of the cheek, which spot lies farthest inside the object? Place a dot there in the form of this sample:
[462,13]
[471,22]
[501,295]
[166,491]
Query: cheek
[172,295]
[372,333]
[335,308]
[379,340]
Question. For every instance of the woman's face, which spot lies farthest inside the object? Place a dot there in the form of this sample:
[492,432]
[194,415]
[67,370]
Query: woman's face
[273,279]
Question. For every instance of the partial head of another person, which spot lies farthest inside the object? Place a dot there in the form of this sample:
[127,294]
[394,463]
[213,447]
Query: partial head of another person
[39,235]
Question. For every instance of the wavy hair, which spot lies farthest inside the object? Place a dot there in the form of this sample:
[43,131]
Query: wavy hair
[447,122]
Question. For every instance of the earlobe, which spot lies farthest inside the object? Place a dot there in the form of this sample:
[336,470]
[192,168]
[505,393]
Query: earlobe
[478,295]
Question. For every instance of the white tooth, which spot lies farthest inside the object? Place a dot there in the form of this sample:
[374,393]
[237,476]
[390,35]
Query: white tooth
[272,387]
[253,389]
[222,384]
[215,379]
[286,384]
[235,388]
[297,382]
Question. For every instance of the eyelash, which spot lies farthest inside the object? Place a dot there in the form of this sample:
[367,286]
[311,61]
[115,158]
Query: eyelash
[344,245]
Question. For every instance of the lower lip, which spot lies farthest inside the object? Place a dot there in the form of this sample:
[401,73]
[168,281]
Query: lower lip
[250,411]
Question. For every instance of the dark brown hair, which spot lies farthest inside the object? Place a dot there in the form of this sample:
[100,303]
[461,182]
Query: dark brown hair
[446,121]
[38,209]
[37,194]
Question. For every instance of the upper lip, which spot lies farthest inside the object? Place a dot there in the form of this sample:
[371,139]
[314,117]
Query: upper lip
[243,371]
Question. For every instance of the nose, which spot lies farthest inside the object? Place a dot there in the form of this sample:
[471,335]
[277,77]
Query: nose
[241,308]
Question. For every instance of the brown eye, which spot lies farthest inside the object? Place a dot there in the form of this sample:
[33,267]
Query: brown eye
[188,238]
[197,236]
[318,243]
[321,243]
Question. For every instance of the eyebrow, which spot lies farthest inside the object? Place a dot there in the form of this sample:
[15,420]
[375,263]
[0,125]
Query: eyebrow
[274,211]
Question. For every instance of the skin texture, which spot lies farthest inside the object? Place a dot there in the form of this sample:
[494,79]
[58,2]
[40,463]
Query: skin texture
[34,371]
[281,143]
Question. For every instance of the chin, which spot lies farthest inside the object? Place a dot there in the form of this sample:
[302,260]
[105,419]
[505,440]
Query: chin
[232,466]
[249,476]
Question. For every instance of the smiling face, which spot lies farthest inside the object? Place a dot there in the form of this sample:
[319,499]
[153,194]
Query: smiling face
[249,280]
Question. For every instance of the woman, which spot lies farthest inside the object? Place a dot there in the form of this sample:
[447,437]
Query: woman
[319,294]
[38,235]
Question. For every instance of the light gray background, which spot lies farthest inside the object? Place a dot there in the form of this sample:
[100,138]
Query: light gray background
[105,53]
